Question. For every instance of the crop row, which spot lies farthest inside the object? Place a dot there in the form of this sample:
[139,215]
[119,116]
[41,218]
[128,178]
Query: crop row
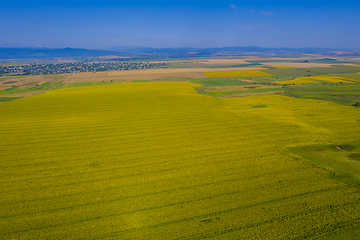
[158,160]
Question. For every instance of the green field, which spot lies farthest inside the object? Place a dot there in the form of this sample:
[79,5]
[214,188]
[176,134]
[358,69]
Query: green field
[342,157]
[158,161]
[215,82]
[301,72]
[7,99]
[347,94]
[258,90]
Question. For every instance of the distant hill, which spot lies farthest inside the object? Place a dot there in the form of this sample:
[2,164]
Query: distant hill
[148,52]
[19,53]
[193,52]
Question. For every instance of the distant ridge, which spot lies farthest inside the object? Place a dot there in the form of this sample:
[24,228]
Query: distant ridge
[38,53]
[148,52]
[238,50]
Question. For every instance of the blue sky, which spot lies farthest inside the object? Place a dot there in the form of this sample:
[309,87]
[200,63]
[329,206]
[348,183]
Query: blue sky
[105,24]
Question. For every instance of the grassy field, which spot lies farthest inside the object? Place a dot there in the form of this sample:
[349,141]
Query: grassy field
[290,72]
[304,72]
[297,81]
[347,94]
[159,161]
[260,90]
[214,82]
[7,99]
[343,157]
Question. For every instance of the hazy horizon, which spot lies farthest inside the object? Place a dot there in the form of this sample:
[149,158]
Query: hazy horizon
[162,24]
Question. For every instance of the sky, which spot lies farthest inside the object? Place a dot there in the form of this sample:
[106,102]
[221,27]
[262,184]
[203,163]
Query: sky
[171,24]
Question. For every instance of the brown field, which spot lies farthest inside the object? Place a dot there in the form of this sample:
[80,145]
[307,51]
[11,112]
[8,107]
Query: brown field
[244,80]
[35,78]
[276,58]
[22,81]
[174,70]
[295,64]
[147,74]
[80,77]
[224,61]
[232,61]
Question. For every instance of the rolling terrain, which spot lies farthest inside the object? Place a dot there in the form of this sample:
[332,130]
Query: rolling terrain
[148,160]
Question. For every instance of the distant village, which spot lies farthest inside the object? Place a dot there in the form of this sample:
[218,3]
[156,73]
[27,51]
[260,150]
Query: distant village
[39,69]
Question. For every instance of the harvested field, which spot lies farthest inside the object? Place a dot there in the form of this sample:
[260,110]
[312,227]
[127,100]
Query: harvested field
[244,80]
[147,74]
[243,73]
[294,65]
[42,78]
[275,58]
[231,61]
[224,61]
[23,81]
[172,70]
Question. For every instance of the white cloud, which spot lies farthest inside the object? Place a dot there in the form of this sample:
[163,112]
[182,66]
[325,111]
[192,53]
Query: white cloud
[233,6]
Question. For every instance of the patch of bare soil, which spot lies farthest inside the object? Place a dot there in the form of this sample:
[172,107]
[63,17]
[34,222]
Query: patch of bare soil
[244,80]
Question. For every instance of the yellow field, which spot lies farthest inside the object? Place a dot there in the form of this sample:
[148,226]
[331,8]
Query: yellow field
[245,73]
[329,78]
[297,81]
[159,161]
